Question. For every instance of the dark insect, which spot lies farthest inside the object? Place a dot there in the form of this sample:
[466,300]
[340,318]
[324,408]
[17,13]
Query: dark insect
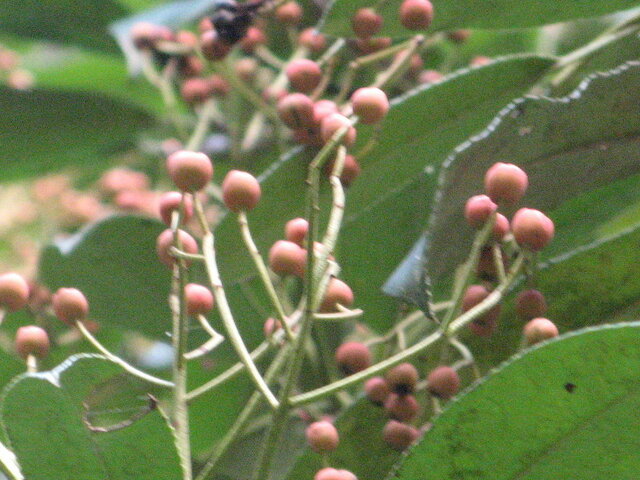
[569,387]
[231,19]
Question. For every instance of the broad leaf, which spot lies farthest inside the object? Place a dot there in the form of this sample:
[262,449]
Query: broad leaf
[53,422]
[565,409]
[457,14]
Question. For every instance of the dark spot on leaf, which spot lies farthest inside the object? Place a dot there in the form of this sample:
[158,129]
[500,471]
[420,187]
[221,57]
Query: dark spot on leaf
[569,387]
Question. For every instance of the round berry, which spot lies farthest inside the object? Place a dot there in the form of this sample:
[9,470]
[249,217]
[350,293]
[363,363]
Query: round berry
[370,104]
[313,40]
[338,293]
[402,378]
[195,90]
[189,171]
[32,340]
[322,109]
[322,437]
[483,328]
[459,36]
[333,474]
[366,23]
[289,14]
[296,230]
[145,35]
[219,85]
[530,304]
[287,258]
[304,75]
[296,111]
[240,191]
[402,407]
[170,202]
[486,268]
[478,209]
[213,47]
[334,122]
[443,382]
[14,291]
[474,295]
[350,170]
[416,14]
[539,329]
[165,242]
[505,183]
[246,69]
[377,390]
[353,357]
[270,326]
[372,45]
[198,299]
[532,229]
[501,227]
[70,305]
[252,39]
[430,76]
[399,435]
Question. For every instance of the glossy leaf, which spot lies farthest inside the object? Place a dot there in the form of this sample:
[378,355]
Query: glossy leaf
[565,409]
[46,417]
[457,14]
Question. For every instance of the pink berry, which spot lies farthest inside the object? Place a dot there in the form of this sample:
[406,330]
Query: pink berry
[532,229]
[404,408]
[252,39]
[501,227]
[270,326]
[478,209]
[372,45]
[416,14]
[377,390]
[70,305]
[170,202]
[505,183]
[430,76]
[366,23]
[443,382]
[474,295]
[333,474]
[240,191]
[322,437]
[335,122]
[198,299]
[296,111]
[402,378]
[195,90]
[539,329]
[399,435]
[370,104]
[322,109]
[289,14]
[32,340]
[530,304]
[190,171]
[296,230]
[14,291]
[213,47]
[350,170]
[315,41]
[353,357]
[165,242]
[338,293]
[287,258]
[304,75]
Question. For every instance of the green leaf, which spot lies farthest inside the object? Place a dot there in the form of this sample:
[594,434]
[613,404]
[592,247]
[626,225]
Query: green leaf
[565,409]
[62,21]
[563,156]
[44,130]
[47,415]
[114,263]
[458,14]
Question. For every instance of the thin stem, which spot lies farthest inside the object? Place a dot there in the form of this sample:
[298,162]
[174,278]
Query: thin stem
[209,108]
[466,355]
[336,317]
[32,364]
[331,52]
[498,261]
[263,272]
[267,56]
[224,309]
[115,359]
[215,340]
[400,64]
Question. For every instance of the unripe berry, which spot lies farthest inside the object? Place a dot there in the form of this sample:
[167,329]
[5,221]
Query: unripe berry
[404,408]
[399,435]
[539,329]
[165,242]
[322,437]
[170,202]
[287,258]
[334,122]
[333,474]
[478,209]
[370,104]
[198,299]
[304,75]
[289,14]
[296,111]
[530,304]
[70,305]
[353,357]
[32,340]
[416,14]
[402,378]
[338,293]
[377,390]
[443,382]
[296,230]
[14,291]
[313,40]
[240,191]
[474,295]
[252,39]
[532,229]
[505,183]
[189,171]
[366,23]
[213,47]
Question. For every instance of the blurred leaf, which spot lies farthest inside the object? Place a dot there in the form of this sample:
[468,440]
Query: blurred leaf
[564,409]
[43,417]
[64,21]
[563,157]
[114,263]
[458,14]
[44,130]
